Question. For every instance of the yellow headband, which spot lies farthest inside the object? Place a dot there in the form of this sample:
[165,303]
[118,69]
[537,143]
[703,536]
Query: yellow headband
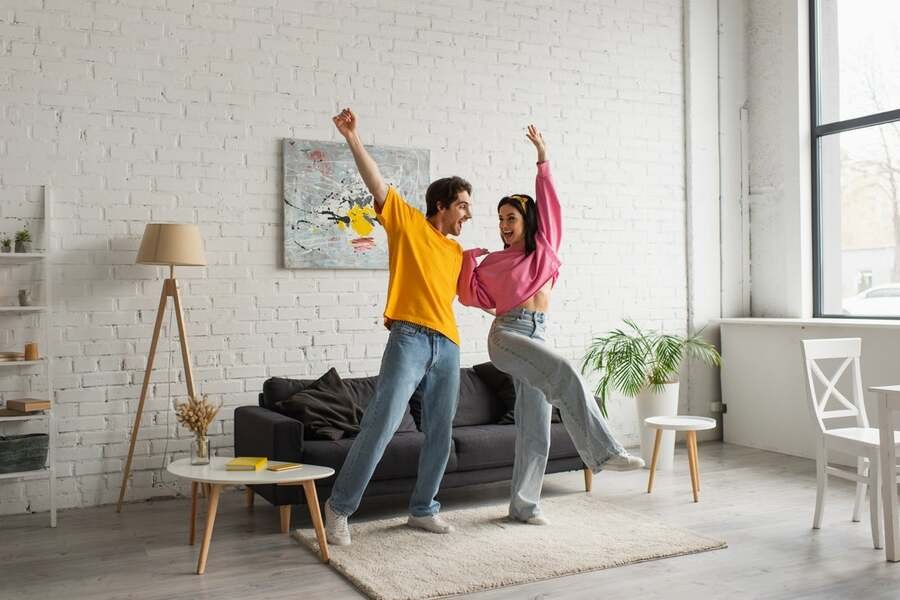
[521,200]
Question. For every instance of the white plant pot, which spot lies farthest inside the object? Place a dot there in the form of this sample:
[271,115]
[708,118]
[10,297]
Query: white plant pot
[662,404]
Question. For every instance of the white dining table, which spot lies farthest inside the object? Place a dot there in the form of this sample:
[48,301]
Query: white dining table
[888,402]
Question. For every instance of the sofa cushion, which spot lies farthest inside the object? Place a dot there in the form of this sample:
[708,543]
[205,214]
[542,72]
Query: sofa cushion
[400,459]
[477,404]
[489,446]
[324,407]
[359,389]
[502,387]
[276,389]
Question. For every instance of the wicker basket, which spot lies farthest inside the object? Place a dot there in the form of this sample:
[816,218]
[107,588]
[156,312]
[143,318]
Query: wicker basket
[23,452]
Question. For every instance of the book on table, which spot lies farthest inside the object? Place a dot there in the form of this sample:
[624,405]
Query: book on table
[277,466]
[246,463]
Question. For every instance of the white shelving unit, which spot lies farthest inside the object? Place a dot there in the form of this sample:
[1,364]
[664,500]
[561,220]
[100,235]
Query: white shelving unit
[13,368]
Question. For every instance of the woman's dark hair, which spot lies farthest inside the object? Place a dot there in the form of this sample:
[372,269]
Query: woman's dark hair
[442,192]
[528,209]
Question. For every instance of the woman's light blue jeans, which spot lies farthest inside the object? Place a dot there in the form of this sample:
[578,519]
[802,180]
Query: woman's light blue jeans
[413,355]
[543,378]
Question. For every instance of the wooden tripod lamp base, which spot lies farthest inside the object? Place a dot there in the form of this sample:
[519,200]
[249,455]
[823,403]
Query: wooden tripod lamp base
[170,245]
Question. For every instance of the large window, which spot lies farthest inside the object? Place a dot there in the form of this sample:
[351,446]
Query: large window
[855,64]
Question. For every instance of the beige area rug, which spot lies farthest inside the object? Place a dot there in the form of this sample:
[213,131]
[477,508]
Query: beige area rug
[390,561]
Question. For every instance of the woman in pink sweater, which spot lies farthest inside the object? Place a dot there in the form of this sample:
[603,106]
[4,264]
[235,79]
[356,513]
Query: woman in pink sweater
[515,284]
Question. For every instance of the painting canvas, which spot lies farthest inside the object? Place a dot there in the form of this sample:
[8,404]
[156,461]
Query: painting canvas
[329,215]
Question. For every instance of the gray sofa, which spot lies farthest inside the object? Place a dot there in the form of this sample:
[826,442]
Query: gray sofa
[482,450]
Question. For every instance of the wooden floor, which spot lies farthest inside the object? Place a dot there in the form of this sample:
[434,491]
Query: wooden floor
[761,503]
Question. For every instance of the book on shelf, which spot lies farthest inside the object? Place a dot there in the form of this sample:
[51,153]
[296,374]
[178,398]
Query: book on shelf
[246,463]
[277,465]
[5,412]
[27,405]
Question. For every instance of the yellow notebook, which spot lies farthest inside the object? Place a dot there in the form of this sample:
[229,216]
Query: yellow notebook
[275,465]
[247,463]
[283,466]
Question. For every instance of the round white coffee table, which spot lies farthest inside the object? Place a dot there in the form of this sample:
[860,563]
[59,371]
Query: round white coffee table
[215,475]
[690,426]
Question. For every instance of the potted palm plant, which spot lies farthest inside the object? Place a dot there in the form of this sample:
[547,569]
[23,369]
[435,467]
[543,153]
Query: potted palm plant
[23,240]
[644,364]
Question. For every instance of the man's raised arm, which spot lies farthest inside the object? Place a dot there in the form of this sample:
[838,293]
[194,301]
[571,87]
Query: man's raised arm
[368,170]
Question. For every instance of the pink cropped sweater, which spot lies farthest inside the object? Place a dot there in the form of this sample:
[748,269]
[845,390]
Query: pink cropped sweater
[507,278]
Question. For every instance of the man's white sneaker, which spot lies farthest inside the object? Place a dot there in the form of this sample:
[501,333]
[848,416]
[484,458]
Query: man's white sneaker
[433,523]
[337,530]
[623,462]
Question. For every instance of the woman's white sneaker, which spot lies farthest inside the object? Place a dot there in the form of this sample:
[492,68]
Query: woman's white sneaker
[623,462]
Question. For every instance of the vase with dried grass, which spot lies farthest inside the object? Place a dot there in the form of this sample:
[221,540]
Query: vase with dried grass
[197,414]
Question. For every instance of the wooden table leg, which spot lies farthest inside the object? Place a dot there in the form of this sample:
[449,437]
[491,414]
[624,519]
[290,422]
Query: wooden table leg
[194,486]
[696,460]
[210,521]
[250,498]
[588,479]
[692,464]
[312,500]
[285,512]
[653,460]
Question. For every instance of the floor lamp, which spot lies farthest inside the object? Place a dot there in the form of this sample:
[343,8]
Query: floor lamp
[170,245]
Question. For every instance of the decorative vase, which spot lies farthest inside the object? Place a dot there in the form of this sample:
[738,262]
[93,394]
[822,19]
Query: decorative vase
[658,404]
[200,451]
[6,248]
[24,297]
[23,247]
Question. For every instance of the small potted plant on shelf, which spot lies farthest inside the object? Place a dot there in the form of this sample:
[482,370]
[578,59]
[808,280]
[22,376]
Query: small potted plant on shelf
[23,240]
[197,414]
[644,364]
[5,244]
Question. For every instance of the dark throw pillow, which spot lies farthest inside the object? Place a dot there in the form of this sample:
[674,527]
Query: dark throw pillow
[324,407]
[502,386]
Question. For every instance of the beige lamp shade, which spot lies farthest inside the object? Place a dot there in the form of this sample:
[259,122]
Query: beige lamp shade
[172,244]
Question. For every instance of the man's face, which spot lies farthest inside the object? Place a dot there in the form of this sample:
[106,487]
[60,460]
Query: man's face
[456,214]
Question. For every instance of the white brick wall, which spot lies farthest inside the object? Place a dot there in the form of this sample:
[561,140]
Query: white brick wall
[173,111]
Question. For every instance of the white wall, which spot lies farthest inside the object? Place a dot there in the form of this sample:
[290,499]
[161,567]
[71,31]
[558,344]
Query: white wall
[780,184]
[170,110]
[764,379]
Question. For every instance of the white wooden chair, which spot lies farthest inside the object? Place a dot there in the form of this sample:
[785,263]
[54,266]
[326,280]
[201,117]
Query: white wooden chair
[860,441]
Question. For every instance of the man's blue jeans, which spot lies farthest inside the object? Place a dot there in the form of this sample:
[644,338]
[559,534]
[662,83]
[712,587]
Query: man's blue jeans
[413,355]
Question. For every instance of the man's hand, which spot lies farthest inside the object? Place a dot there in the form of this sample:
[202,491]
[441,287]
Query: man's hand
[345,122]
[538,140]
[368,170]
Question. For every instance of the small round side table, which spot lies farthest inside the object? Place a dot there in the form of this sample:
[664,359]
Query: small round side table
[690,426]
[216,475]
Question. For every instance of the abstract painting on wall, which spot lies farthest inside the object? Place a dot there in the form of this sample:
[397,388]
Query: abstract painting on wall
[329,215]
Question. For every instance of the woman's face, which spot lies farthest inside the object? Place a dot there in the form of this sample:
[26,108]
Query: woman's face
[512,225]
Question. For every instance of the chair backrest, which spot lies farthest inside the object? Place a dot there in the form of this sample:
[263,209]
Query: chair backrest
[848,351]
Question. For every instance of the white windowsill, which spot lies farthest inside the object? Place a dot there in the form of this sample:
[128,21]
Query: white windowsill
[823,322]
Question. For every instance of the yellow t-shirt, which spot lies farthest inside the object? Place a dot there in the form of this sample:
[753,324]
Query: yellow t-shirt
[424,267]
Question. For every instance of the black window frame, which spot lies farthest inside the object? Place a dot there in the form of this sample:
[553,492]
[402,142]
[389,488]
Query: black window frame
[817,132]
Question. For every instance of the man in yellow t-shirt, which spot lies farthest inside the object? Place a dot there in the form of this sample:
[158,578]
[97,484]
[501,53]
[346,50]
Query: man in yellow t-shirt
[423,347]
